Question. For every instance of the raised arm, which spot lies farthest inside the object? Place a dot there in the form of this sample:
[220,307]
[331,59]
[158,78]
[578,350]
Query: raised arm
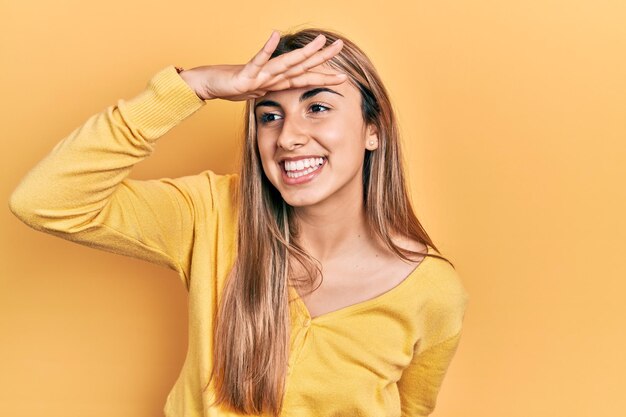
[80,190]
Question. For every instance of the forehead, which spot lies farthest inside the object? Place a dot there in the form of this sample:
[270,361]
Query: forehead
[346,89]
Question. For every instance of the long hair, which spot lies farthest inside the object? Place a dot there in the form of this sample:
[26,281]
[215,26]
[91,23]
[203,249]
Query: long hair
[252,333]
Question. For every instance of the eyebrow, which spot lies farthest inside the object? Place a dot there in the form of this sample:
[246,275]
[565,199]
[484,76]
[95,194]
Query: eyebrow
[304,96]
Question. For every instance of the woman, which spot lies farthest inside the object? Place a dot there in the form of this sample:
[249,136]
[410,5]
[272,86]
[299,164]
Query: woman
[321,292]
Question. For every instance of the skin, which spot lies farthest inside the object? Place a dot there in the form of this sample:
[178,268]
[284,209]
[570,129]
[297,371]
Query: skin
[261,75]
[326,125]
[329,209]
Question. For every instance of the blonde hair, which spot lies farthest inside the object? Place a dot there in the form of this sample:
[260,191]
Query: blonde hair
[251,339]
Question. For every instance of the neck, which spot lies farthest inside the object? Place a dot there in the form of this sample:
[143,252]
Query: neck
[332,231]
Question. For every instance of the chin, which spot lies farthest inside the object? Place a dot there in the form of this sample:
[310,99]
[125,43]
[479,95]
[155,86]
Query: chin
[302,201]
[302,196]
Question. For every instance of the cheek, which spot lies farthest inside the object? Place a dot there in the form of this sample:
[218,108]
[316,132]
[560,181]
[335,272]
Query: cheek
[334,135]
[265,146]
[266,151]
[345,140]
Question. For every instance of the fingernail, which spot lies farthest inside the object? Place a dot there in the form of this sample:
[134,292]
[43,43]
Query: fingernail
[336,42]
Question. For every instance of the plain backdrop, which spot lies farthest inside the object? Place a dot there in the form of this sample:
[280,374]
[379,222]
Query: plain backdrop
[513,116]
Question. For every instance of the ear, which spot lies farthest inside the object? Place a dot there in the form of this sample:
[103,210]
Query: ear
[371,137]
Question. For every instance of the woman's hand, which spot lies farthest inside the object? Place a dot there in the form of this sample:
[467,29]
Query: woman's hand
[260,74]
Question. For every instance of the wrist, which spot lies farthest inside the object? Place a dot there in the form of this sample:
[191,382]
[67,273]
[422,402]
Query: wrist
[191,80]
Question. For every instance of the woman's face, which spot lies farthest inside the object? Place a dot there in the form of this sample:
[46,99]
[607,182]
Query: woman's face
[312,142]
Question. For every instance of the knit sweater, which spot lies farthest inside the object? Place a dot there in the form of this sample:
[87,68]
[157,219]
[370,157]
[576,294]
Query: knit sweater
[383,357]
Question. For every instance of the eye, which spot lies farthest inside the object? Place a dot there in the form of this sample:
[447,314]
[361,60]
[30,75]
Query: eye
[319,106]
[268,117]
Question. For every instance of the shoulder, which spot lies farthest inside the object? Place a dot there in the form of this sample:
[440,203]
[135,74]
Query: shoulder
[446,301]
[439,275]
[445,280]
[441,287]
[439,279]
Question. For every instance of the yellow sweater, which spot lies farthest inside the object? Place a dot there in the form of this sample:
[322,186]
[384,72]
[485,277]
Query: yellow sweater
[386,356]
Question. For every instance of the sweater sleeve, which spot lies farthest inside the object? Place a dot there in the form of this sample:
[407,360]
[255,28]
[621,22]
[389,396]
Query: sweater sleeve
[421,381]
[80,190]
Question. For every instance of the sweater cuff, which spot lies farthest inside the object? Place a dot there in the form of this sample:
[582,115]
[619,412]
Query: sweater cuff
[165,102]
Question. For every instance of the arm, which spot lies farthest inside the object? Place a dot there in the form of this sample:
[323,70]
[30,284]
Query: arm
[422,379]
[80,190]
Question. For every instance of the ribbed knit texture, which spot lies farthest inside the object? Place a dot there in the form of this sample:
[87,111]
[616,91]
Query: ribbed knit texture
[386,356]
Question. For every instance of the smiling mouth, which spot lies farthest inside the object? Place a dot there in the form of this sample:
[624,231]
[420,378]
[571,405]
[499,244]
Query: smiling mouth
[299,168]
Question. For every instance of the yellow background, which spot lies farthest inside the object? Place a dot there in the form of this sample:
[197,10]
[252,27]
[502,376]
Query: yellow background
[513,116]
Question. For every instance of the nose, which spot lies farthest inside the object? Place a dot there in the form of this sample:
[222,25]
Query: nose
[293,134]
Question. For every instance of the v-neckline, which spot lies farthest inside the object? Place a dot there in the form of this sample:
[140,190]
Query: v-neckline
[411,276]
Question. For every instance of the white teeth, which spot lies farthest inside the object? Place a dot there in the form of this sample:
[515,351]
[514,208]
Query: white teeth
[303,163]
[303,166]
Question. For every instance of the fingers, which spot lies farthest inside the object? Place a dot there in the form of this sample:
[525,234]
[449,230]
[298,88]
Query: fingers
[253,67]
[284,62]
[308,78]
[317,59]
[292,69]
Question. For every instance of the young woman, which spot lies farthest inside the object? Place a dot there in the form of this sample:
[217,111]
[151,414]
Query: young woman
[313,288]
